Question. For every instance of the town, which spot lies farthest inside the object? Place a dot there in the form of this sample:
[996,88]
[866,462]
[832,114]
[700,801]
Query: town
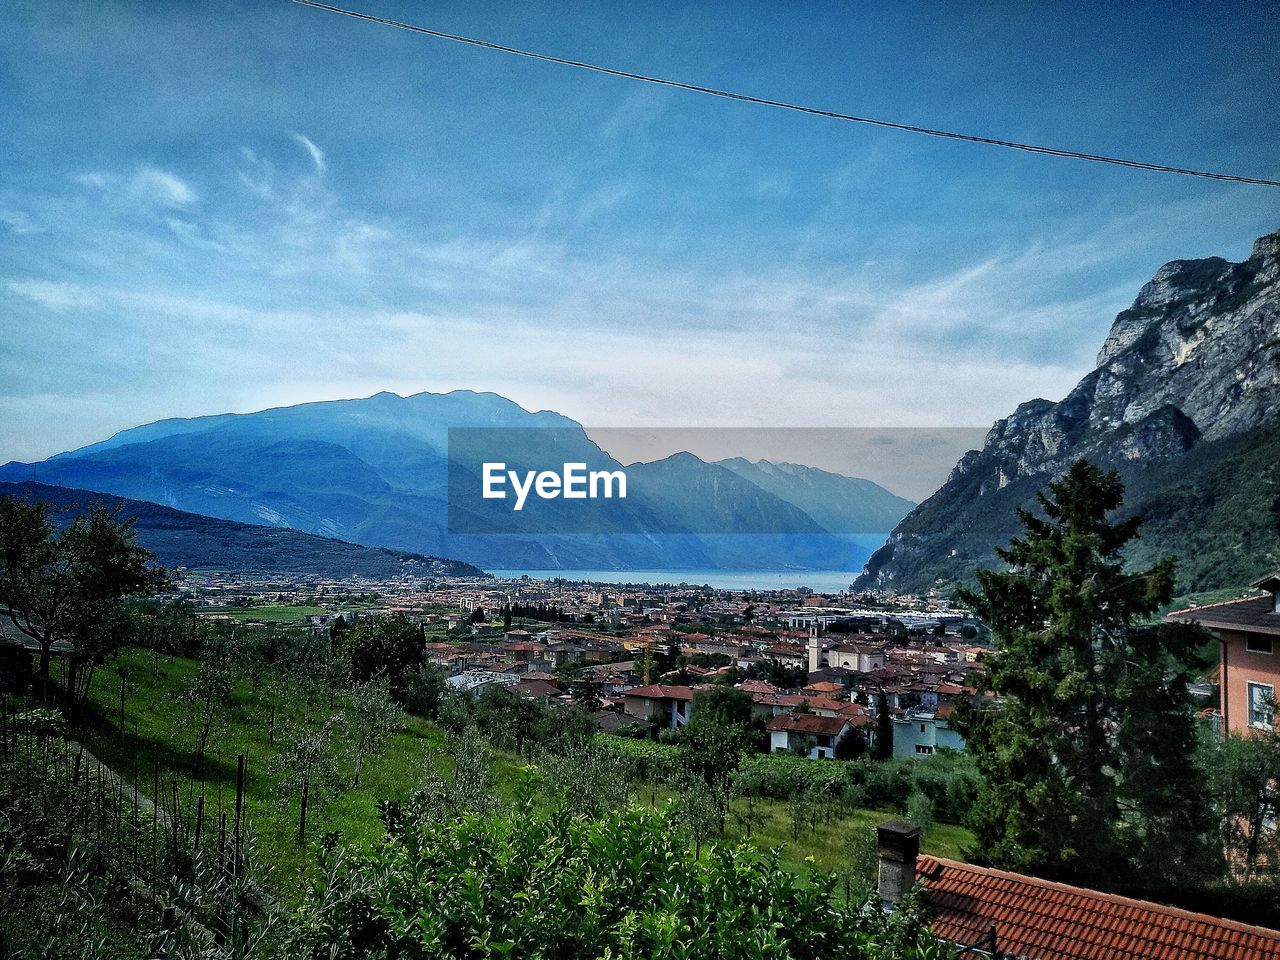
[818,667]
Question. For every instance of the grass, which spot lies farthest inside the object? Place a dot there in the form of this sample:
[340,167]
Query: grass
[152,710]
[274,613]
[825,843]
[153,706]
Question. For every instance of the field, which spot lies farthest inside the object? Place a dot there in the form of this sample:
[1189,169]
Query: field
[153,738]
[274,613]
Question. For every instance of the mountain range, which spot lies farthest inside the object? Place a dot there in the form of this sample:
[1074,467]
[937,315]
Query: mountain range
[198,542]
[378,472]
[1184,403]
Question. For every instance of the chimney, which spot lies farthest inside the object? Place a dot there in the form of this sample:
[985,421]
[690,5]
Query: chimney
[898,845]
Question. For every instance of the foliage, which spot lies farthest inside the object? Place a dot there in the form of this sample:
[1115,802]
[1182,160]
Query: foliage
[70,585]
[390,647]
[306,767]
[371,718]
[1086,764]
[564,886]
[949,779]
[1245,780]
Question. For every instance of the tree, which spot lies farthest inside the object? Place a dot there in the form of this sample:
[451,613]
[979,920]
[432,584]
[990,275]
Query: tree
[724,705]
[884,729]
[388,647]
[69,586]
[710,754]
[208,695]
[1065,791]
[307,768]
[424,688]
[371,718]
[1245,781]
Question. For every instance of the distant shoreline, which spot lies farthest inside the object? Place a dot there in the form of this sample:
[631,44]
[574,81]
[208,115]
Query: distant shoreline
[820,581]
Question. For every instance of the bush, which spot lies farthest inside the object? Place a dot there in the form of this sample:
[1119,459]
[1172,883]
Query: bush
[948,780]
[557,885]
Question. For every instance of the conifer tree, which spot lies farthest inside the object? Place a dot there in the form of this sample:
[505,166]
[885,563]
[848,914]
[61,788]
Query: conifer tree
[1087,759]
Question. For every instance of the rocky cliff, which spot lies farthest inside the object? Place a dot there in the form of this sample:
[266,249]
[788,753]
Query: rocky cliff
[1184,402]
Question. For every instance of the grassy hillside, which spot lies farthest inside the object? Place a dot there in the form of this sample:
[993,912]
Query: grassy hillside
[154,685]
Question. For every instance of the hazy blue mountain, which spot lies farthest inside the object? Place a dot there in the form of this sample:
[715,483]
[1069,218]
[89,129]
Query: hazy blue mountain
[207,543]
[378,472]
[838,503]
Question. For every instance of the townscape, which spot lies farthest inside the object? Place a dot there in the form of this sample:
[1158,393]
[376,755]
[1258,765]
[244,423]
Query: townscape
[717,481]
[638,655]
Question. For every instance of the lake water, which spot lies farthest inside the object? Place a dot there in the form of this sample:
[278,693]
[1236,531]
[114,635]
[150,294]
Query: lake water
[820,581]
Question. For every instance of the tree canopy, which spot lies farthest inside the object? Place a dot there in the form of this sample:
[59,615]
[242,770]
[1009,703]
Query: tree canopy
[1087,760]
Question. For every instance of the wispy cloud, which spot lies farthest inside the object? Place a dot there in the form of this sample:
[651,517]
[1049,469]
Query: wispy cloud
[317,155]
[147,184]
[54,295]
[19,222]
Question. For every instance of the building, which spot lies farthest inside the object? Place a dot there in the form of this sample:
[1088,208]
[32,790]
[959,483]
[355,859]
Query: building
[1248,655]
[993,913]
[663,704]
[819,736]
[921,733]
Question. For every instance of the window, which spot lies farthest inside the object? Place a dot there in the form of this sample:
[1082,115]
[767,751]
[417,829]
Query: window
[1256,644]
[923,750]
[1262,703]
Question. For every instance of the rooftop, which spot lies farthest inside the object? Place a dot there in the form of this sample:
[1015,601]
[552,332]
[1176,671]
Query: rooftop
[1041,920]
[808,723]
[1252,615]
[661,691]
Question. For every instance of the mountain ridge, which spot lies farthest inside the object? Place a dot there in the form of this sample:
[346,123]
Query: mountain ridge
[376,471]
[195,541]
[1192,366]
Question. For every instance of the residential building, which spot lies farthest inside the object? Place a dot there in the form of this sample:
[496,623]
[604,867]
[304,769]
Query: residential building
[921,733]
[819,735]
[1248,634]
[663,704]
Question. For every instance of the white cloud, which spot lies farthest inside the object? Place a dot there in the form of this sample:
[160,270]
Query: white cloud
[162,187]
[149,184]
[54,295]
[317,155]
[19,222]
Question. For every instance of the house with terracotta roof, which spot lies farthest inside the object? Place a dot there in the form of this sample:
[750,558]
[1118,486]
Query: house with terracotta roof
[660,703]
[994,913]
[1248,634]
[818,734]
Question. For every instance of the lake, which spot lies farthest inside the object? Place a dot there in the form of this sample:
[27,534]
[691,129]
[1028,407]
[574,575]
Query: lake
[820,581]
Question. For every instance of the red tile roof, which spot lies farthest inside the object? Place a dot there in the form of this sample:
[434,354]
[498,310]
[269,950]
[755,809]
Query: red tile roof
[809,723]
[1041,920]
[661,691]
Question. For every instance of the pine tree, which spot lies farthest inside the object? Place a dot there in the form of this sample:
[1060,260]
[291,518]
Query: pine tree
[884,729]
[1087,757]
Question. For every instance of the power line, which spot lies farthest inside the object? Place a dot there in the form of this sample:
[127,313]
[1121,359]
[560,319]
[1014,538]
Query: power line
[815,111]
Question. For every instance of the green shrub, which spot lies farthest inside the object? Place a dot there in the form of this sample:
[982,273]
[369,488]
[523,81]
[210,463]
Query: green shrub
[626,885]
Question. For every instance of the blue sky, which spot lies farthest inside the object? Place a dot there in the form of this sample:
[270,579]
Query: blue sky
[217,206]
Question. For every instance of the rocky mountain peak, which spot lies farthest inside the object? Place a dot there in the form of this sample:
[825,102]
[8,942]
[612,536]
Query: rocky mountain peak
[1266,250]
[1192,367]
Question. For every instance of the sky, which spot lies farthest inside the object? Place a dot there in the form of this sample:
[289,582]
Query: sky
[210,207]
